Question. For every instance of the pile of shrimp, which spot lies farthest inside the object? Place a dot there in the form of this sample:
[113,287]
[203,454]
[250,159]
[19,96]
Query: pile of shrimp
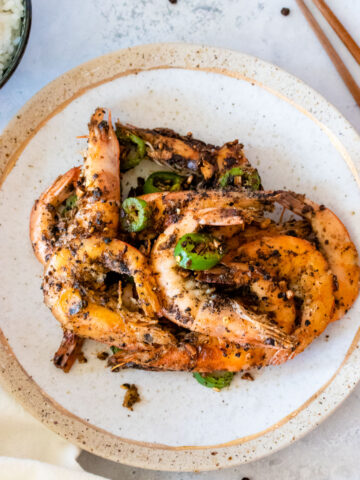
[274,291]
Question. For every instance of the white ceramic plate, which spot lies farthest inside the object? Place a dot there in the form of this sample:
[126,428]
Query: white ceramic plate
[296,140]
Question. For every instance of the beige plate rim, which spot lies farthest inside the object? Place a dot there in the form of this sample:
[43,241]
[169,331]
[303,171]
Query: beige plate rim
[52,99]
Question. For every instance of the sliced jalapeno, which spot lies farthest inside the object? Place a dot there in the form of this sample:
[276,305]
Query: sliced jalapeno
[198,251]
[249,178]
[114,350]
[135,150]
[69,204]
[214,380]
[252,179]
[163,182]
[136,214]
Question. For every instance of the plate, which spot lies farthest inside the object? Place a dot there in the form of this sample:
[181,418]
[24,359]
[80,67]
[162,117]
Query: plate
[294,137]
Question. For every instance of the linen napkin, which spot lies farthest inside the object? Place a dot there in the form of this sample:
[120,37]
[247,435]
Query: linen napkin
[28,450]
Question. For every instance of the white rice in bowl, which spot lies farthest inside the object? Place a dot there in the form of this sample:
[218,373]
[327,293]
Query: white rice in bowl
[11,12]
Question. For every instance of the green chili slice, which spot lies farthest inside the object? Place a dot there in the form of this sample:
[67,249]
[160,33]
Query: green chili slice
[114,349]
[215,380]
[137,214]
[250,178]
[135,150]
[198,251]
[163,182]
[70,203]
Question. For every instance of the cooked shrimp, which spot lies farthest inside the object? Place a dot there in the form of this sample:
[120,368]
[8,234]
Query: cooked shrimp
[308,276]
[186,154]
[234,236]
[196,353]
[273,299]
[221,208]
[98,209]
[76,273]
[291,259]
[44,218]
[336,245]
[193,306]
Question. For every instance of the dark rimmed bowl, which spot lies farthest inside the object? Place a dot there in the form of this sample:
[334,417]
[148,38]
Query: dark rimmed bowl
[24,34]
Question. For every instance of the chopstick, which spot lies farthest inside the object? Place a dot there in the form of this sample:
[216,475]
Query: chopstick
[335,58]
[339,29]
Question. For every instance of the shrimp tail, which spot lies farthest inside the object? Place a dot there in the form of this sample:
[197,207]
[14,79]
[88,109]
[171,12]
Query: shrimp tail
[266,332]
[98,126]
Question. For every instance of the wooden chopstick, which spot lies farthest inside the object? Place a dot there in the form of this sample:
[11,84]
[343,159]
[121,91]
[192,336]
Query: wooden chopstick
[338,63]
[339,29]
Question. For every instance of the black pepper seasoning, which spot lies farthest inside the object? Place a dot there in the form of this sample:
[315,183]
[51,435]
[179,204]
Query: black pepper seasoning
[285,11]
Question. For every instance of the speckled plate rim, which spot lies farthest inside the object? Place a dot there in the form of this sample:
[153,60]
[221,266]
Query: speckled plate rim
[52,99]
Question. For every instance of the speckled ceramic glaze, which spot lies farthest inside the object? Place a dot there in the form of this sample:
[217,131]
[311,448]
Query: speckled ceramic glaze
[297,141]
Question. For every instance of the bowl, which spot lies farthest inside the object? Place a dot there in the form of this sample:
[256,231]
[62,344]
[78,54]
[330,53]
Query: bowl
[19,51]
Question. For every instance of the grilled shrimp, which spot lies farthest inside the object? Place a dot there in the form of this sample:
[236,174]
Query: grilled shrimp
[186,154]
[234,236]
[74,290]
[308,276]
[196,353]
[193,306]
[98,208]
[274,299]
[287,258]
[44,218]
[99,193]
[221,208]
[336,245]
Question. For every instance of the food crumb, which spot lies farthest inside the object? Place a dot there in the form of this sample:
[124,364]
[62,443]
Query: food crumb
[173,1]
[131,396]
[285,11]
[102,355]
[81,357]
[247,376]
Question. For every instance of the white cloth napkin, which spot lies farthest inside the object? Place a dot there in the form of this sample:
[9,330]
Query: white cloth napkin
[28,450]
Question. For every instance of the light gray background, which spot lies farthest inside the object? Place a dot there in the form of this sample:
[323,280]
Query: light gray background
[68,32]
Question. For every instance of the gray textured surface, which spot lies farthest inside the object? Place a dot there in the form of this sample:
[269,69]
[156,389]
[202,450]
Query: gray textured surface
[69,32]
